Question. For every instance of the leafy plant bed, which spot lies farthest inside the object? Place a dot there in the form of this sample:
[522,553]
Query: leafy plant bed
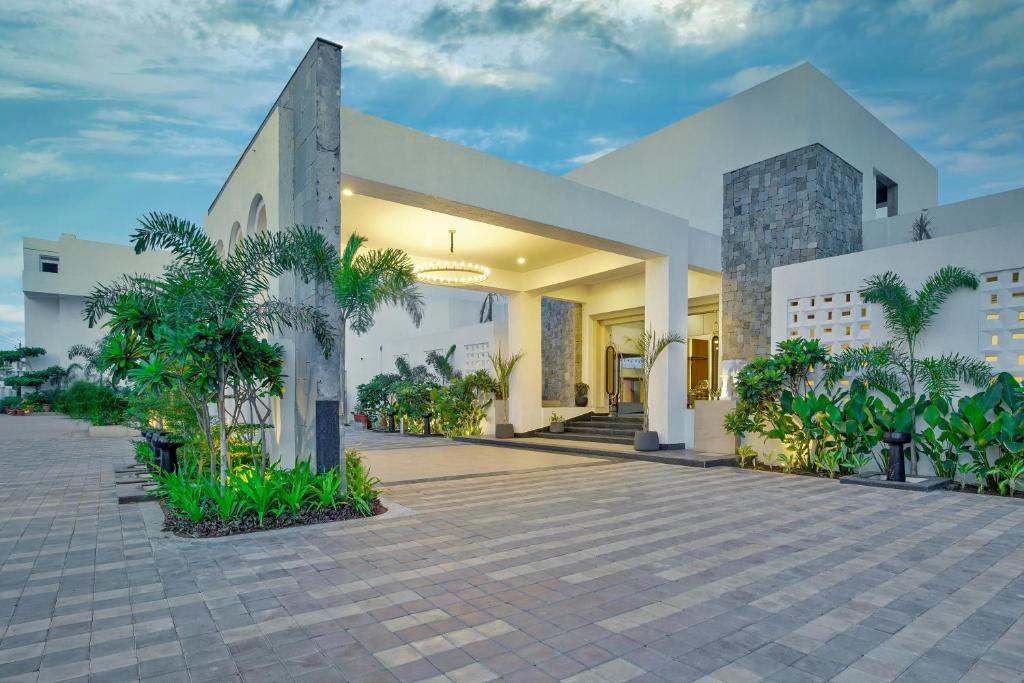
[249,522]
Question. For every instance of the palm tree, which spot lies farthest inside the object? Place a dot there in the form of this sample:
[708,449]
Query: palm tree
[895,366]
[649,346]
[919,229]
[487,307]
[90,359]
[441,364]
[213,311]
[363,284]
[503,367]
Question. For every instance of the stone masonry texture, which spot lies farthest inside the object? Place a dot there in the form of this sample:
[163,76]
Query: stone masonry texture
[794,207]
[560,332]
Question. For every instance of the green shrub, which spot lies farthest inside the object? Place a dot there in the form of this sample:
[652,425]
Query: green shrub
[101,404]
[361,487]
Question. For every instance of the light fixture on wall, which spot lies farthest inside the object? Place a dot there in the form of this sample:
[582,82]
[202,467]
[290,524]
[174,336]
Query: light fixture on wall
[451,272]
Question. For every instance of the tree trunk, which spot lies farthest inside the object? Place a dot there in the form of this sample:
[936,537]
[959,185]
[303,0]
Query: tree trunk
[343,376]
[222,417]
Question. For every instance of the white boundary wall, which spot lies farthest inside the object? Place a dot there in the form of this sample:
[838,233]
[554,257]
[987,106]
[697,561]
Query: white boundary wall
[971,323]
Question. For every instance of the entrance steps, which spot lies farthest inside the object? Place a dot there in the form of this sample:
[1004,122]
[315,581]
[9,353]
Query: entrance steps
[597,428]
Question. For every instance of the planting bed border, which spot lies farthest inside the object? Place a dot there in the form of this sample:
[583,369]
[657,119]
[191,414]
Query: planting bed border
[154,516]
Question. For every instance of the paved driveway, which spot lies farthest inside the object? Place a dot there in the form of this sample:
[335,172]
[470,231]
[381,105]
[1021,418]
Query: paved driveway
[621,572]
[396,458]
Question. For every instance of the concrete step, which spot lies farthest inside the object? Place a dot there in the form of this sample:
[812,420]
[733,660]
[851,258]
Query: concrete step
[586,437]
[576,428]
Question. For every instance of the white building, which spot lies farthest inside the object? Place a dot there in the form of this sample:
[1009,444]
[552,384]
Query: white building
[710,227]
[57,276]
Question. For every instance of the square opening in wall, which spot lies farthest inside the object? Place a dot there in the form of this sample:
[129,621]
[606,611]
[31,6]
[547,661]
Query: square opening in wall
[886,192]
[49,264]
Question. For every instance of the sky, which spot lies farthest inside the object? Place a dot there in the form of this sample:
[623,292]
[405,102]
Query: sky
[109,110]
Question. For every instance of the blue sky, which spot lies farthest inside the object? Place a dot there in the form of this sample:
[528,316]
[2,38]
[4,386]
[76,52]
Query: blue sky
[112,109]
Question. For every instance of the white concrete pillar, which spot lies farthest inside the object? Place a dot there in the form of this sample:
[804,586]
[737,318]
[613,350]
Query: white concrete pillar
[524,334]
[665,310]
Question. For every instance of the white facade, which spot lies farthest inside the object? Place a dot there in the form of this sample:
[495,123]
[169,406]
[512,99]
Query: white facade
[633,237]
[988,323]
[679,168]
[54,301]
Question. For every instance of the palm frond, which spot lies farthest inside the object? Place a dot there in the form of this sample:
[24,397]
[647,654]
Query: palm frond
[102,299]
[898,306]
[942,374]
[307,252]
[939,287]
[186,240]
[273,315]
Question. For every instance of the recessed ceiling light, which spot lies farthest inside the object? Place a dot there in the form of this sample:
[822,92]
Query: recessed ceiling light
[521,260]
[428,243]
[347,191]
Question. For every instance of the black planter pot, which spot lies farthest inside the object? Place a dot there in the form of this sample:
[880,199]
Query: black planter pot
[504,430]
[896,442]
[581,401]
[426,425]
[167,453]
[646,441]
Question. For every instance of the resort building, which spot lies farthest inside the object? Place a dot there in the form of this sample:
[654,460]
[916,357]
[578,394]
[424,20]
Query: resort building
[749,222]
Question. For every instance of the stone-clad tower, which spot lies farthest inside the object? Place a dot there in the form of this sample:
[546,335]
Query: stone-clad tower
[794,207]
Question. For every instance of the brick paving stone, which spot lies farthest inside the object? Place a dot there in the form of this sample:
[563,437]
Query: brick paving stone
[557,575]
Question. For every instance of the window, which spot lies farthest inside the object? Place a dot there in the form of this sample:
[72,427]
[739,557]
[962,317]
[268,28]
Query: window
[885,196]
[49,264]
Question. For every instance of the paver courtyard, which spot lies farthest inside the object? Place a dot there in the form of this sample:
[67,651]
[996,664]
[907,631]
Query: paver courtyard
[607,572]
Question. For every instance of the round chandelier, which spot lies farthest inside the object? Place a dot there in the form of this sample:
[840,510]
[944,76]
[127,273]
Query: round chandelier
[451,272]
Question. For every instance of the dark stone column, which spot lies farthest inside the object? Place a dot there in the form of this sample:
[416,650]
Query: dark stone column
[795,207]
[560,349]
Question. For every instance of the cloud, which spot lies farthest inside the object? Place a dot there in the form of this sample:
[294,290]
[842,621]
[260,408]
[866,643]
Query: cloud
[12,90]
[498,137]
[749,77]
[602,145]
[22,165]
[391,55]
[12,313]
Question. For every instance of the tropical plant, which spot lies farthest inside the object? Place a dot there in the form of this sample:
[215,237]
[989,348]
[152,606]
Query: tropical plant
[919,229]
[649,346]
[361,491]
[555,417]
[200,324]
[363,284]
[747,455]
[89,355]
[183,492]
[258,493]
[326,487]
[441,364]
[461,407]
[487,307]
[896,365]
[581,388]
[503,367]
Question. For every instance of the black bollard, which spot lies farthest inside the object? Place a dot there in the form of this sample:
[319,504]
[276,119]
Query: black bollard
[896,441]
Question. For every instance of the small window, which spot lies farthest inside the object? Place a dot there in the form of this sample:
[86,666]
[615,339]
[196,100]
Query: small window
[994,298]
[49,264]
[992,278]
[991,359]
[828,299]
[885,196]
[847,297]
[992,316]
[995,340]
[1015,277]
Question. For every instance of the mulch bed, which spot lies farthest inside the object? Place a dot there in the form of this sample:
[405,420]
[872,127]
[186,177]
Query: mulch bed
[248,523]
[953,486]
